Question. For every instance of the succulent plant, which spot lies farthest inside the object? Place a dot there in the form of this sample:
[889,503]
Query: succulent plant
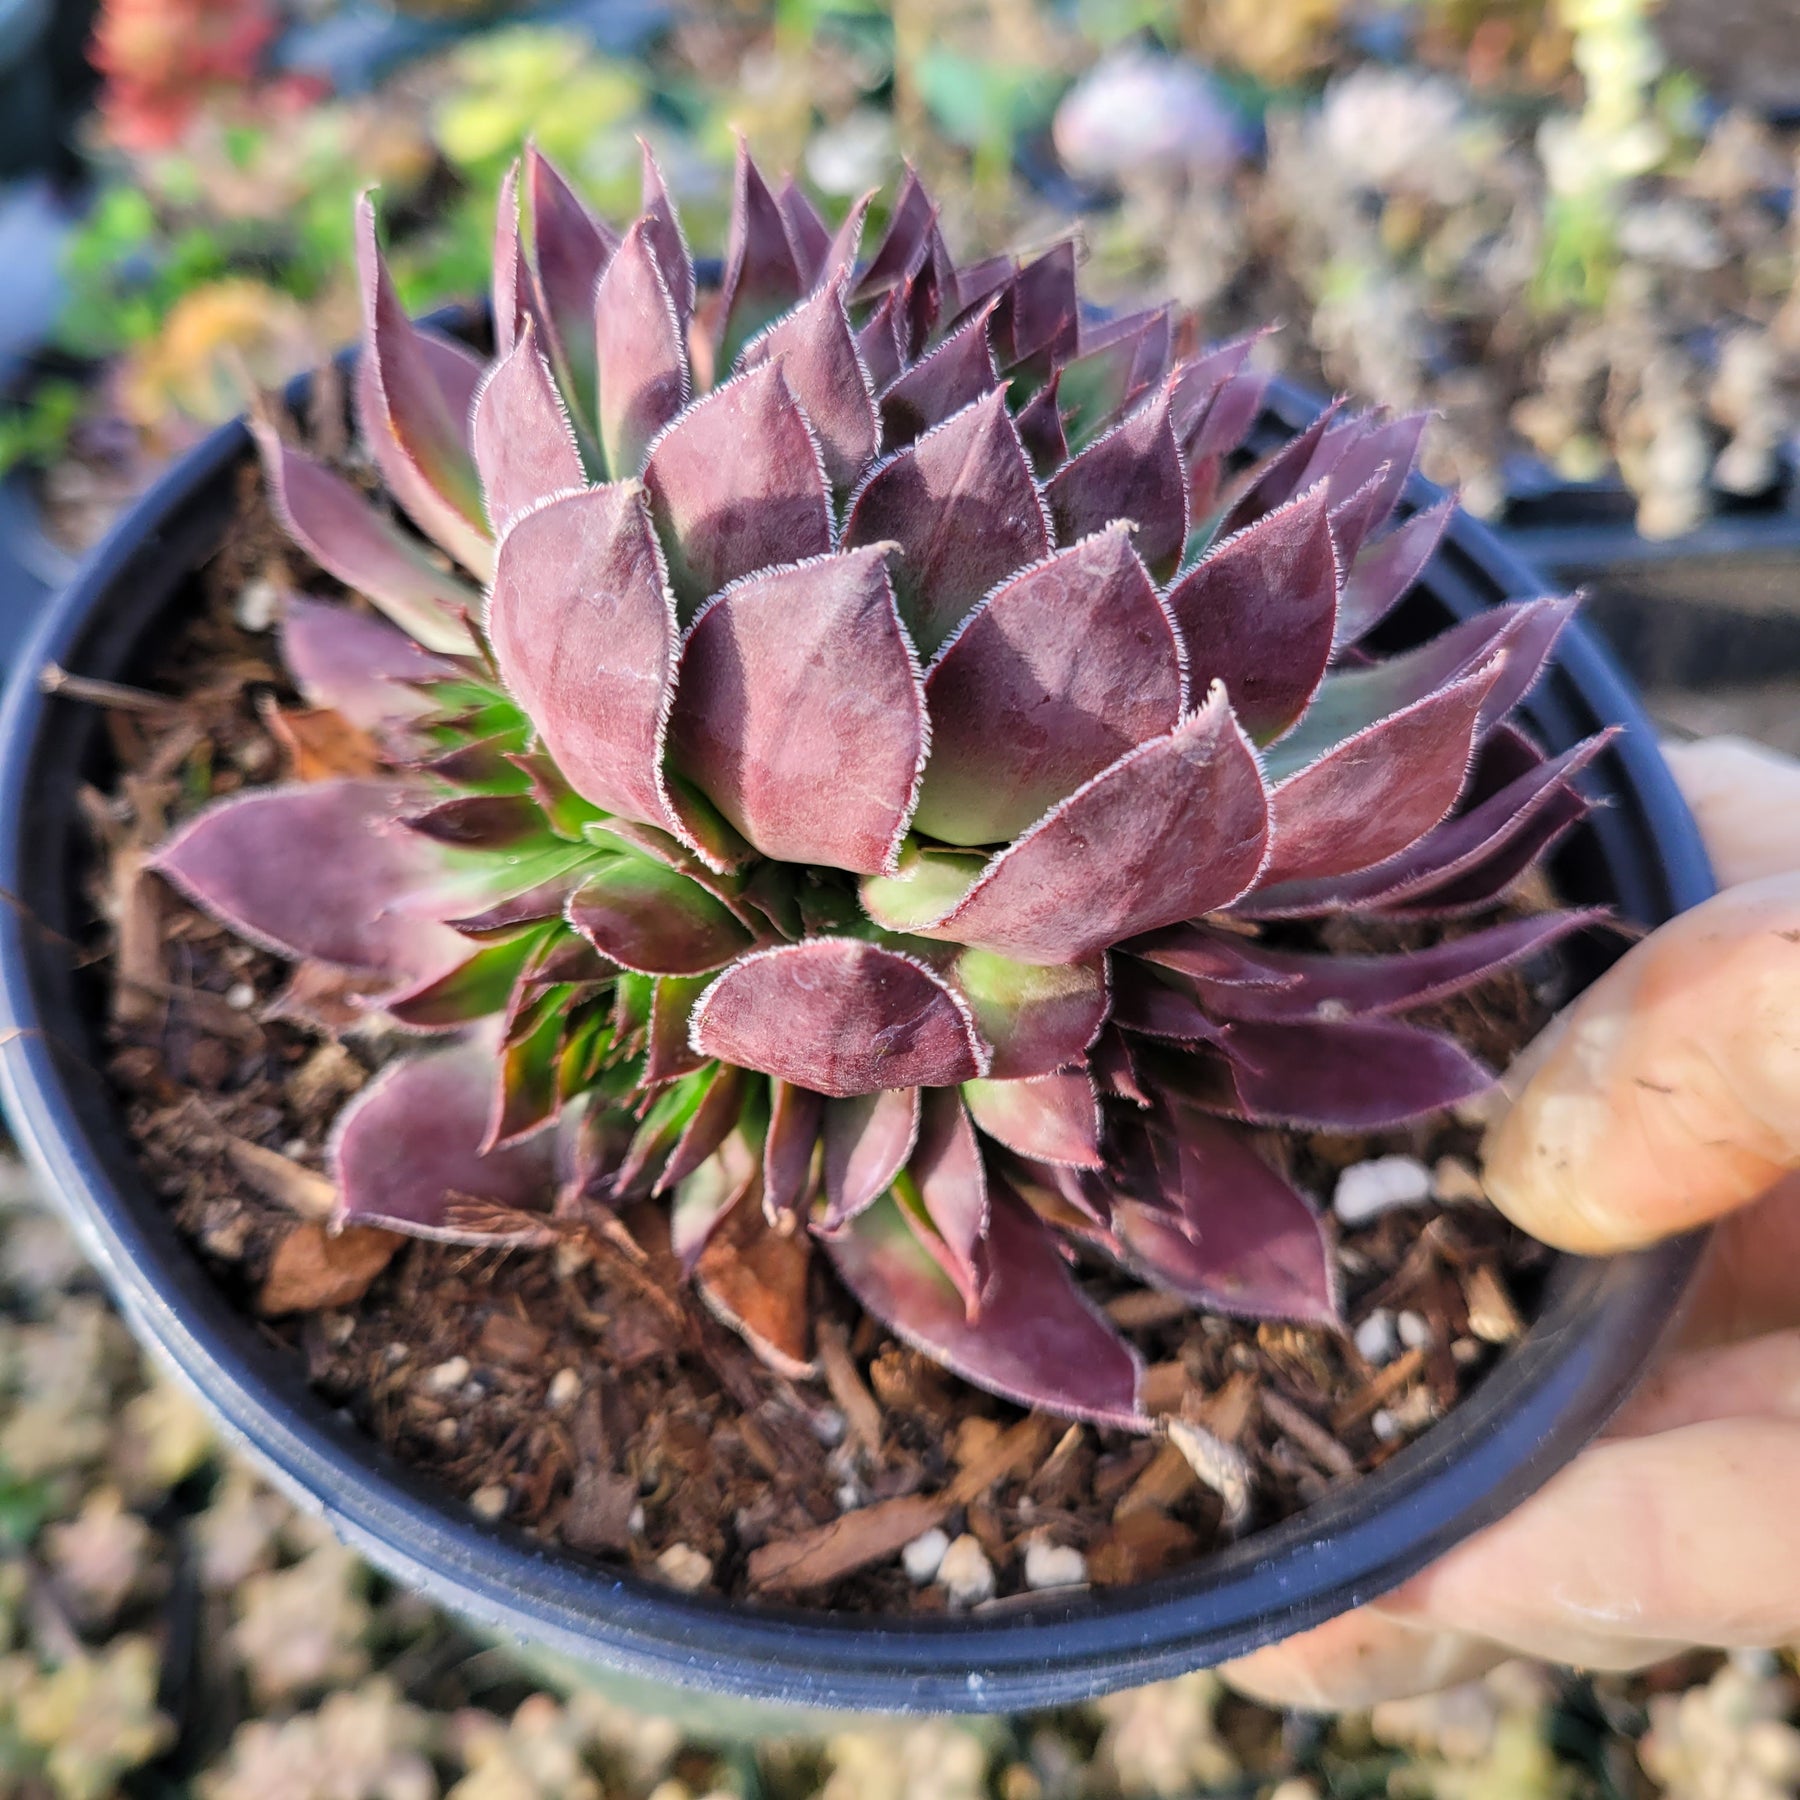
[863,751]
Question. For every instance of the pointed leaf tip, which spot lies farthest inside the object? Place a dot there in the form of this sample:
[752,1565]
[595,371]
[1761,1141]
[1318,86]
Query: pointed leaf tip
[641,351]
[524,444]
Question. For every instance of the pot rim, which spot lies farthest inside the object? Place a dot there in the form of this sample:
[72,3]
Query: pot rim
[1540,1404]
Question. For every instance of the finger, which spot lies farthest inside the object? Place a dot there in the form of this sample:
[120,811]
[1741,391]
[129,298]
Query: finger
[1746,801]
[1749,1282]
[1669,1093]
[1688,1537]
[1358,1660]
[1759,1379]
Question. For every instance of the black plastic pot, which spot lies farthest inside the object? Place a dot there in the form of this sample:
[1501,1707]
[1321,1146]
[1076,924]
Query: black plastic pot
[1595,1329]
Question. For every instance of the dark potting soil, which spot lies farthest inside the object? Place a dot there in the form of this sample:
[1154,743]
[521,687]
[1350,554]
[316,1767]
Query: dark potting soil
[583,1392]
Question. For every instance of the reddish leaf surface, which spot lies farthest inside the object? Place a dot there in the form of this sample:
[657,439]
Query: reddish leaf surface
[355,665]
[319,871]
[963,507]
[641,353]
[947,1170]
[1175,828]
[1038,321]
[1160,1007]
[1134,472]
[762,276]
[338,528]
[584,636]
[879,345]
[1387,568]
[1037,1016]
[662,224]
[714,1119]
[1038,1340]
[571,248]
[1259,614]
[1050,1118]
[736,485]
[650,919]
[840,1017]
[511,284]
[868,1138]
[407,1149]
[1056,676]
[815,349]
[902,244]
[524,444]
[809,237]
[795,1116]
[1041,429]
[955,374]
[818,645]
[1279,477]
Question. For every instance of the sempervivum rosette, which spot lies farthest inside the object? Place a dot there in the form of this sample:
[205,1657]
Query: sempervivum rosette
[856,777]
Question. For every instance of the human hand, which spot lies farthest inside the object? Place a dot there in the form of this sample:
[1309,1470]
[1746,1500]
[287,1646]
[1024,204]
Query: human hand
[1668,1095]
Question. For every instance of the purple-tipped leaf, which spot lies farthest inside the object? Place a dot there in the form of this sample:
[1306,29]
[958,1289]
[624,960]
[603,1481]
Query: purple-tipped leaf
[840,1017]
[1041,429]
[524,444]
[662,224]
[868,1138]
[1050,1118]
[641,353]
[904,242]
[338,528]
[1487,881]
[1038,1340]
[809,237]
[950,1178]
[571,249]
[650,919]
[356,665]
[1038,322]
[1056,676]
[1038,1017]
[819,646]
[1386,569]
[1175,828]
[1160,1006]
[484,983]
[510,291]
[879,344]
[321,871]
[736,485]
[1280,477]
[963,507]
[714,1119]
[1259,614]
[795,1116]
[1133,472]
[955,374]
[762,277]
[1198,381]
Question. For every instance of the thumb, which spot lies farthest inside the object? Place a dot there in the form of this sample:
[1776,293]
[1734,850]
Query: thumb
[1669,1093]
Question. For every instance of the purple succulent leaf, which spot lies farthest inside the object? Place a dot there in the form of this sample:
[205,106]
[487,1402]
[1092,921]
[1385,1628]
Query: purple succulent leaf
[963,508]
[1118,363]
[809,237]
[1385,570]
[1459,847]
[714,1119]
[338,528]
[815,348]
[1383,453]
[1038,1017]
[980,281]
[762,277]
[529,906]
[1161,1006]
[415,394]
[1198,383]
[709,1195]
[1374,793]
[1313,986]
[510,295]
[320,871]
[641,357]
[1038,1341]
[821,642]
[1279,477]
[795,1117]
[1041,431]
[868,1139]
[736,484]
[524,444]
[571,250]
[1133,472]
[878,343]
[1207,953]
[1177,827]
[481,985]
[1486,882]
[1038,322]
[1346,1074]
[527,1096]
[841,1017]
[481,822]
[846,242]
[1050,1118]
[950,1178]
[356,665]
[1354,519]
[669,1054]
[955,374]
[1238,1239]
[407,1149]
[1054,677]
[662,225]
[1259,612]
[902,245]
[1115,1068]
[650,919]
[1227,422]
[585,637]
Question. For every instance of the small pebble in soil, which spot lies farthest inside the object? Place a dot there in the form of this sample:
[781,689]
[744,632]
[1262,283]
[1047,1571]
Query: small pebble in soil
[1414,1329]
[1376,1339]
[447,1432]
[240,996]
[682,1566]
[965,1574]
[490,1502]
[258,604]
[1049,1565]
[923,1556]
[447,1377]
[1385,1426]
[1366,1190]
[564,1390]
[1455,1182]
